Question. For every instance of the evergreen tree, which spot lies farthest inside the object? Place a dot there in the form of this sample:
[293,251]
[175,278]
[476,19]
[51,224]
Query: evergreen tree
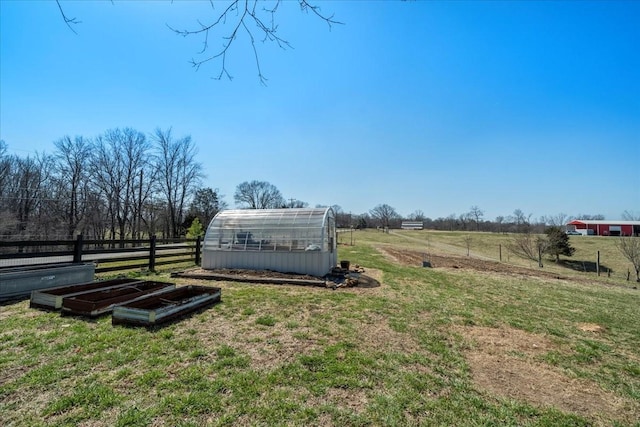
[206,203]
[558,243]
[196,229]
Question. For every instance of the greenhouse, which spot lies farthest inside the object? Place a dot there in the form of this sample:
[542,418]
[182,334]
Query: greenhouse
[299,241]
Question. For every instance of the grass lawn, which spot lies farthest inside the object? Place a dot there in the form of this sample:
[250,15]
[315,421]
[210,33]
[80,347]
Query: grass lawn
[450,345]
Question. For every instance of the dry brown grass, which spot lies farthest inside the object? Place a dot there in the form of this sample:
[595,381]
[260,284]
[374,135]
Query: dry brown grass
[504,362]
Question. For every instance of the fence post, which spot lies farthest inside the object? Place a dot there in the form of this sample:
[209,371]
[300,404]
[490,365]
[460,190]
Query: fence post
[77,249]
[598,264]
[152,253]
[198,250]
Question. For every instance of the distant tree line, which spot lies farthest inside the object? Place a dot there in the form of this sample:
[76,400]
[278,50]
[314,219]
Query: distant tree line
[384,215]
[120,184]
[127,184]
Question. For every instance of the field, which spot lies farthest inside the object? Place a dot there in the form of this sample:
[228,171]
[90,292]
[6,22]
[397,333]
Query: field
[471,341]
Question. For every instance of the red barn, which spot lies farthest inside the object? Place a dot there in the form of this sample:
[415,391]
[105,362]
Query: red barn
[605,228]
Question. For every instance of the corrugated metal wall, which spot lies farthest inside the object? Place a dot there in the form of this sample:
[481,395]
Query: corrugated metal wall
[314,263]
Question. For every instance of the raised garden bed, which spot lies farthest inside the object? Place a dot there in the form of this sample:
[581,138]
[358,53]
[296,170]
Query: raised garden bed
[103,301]
[51,299]
[161,308]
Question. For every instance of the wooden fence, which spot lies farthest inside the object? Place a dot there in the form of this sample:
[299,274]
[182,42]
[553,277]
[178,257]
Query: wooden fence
[109,255]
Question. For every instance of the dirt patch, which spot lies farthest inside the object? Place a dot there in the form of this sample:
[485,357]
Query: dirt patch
[5,314]
[591,327]
[506,340]
[349,399]
[503,362]
[251,276]
[364,280]
[415,258]
[375,333]
[17,308]
[244,273]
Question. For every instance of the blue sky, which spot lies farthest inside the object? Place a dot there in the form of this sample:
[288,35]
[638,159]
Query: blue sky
[434,105]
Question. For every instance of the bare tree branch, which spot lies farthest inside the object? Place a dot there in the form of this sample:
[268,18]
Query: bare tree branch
[68,21]
[247,14]
[629,247]
[630,216]
[239,14]
[305,6]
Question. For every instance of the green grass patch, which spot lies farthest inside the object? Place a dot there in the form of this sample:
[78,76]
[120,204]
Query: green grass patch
[404,353]
[266,320]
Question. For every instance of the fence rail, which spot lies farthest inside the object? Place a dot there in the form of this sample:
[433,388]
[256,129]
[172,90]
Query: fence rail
[109,255]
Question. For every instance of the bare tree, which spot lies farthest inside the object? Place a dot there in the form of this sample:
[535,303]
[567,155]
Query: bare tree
[521,221]
[153,216]
[118,161]
[476,215]
[106,172]
[29,193]
[631,215]
[417,215]
[72,161]
[629,247]
[179,174]
[96,223]
[258,195]
[145,180]
[7,220]
[590,217]
[28,196]
[42,224]
[451,222]
[464,219]
[4,165]
[558,220]
[528,246]
[467,241]
[384,214]
[343,219]
[295,204]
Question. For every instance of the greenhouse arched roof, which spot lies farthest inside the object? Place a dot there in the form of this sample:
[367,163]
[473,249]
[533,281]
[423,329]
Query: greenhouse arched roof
[256,219]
